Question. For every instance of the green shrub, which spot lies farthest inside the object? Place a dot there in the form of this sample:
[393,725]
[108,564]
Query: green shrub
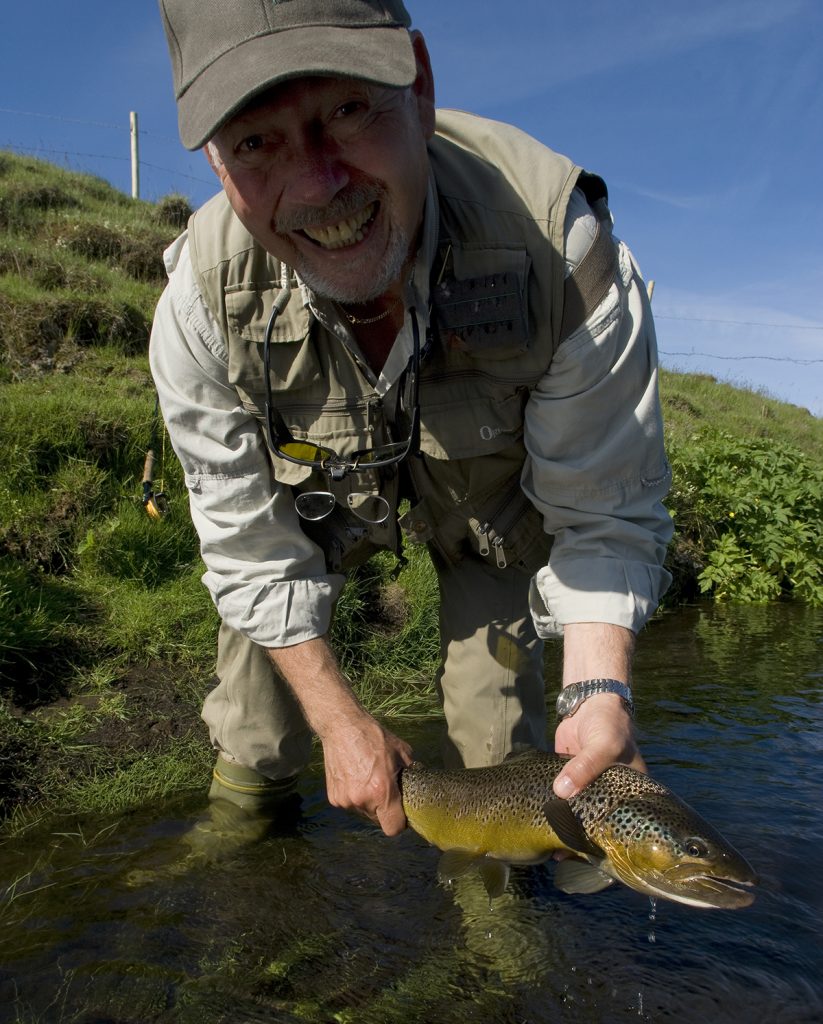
[174,211]
[754,508]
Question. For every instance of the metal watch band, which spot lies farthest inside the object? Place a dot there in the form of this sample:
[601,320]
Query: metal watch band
[572,696]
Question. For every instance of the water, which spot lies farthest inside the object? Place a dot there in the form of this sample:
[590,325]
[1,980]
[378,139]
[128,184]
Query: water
[328,921]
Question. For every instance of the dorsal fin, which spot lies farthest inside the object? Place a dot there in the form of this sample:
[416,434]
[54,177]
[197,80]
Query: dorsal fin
[566,826]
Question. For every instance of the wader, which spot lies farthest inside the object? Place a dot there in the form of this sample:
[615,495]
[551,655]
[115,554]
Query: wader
[501,304]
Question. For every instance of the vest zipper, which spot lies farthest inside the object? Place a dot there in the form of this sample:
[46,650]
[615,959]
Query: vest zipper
[483,539]
[499,529]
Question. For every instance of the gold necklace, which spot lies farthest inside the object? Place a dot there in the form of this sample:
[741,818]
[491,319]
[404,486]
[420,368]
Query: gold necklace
[362,321]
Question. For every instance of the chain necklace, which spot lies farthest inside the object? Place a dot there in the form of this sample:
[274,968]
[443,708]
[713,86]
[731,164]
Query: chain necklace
[362,321]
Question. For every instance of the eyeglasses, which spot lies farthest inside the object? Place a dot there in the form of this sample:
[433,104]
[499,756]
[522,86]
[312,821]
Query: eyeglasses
[316,505]
[308,453]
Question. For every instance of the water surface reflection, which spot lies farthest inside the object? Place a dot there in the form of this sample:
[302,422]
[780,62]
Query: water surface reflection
[326,920]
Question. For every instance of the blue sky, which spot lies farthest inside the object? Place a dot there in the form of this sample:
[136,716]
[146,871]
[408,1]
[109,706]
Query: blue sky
[705,119]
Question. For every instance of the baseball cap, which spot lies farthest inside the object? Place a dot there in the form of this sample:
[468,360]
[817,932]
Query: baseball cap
[225,52]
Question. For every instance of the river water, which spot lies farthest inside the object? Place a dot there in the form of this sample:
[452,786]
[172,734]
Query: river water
[150,918]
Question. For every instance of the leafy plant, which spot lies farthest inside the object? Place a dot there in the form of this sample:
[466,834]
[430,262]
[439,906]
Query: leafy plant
[754,506]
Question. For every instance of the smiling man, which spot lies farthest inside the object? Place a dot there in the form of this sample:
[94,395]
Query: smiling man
[389,303]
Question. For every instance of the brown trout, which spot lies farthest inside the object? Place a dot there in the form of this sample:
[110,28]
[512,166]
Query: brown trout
[624,826]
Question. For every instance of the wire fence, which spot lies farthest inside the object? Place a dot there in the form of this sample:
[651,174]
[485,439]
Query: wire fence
[171,177]
[166,179]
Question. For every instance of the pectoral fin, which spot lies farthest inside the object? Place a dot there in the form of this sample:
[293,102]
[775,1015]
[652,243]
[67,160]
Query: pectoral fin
[577,876]
[566,826]
[454,863]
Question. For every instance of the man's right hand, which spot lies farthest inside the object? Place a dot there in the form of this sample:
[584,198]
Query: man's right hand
[363,761]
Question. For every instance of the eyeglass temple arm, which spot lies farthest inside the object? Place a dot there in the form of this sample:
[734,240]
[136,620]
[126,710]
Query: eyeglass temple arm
[281,300]
[415,428]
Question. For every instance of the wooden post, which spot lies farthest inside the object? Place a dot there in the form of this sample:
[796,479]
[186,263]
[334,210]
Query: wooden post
[135,156]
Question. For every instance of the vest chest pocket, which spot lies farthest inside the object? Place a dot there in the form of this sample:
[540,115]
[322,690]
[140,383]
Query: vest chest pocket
[468,423]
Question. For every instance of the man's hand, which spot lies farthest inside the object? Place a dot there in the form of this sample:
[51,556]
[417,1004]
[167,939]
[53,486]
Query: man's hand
[363,761]
[600,732]
[597,735]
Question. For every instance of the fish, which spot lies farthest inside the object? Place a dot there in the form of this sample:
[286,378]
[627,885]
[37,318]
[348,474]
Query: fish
[624,826]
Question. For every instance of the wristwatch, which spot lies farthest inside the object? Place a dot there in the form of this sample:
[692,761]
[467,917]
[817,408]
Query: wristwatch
[573,695]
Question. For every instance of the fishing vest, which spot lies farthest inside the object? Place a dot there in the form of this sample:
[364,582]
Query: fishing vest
[501,303]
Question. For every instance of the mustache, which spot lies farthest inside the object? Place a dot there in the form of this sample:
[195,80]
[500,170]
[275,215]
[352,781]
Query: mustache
[346,203]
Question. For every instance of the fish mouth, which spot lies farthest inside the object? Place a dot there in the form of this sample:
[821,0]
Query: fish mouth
[707,891]
[723,893]
[347,231]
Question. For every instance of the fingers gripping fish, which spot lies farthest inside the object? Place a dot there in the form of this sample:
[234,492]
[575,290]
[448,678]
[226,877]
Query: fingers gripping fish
[623,827]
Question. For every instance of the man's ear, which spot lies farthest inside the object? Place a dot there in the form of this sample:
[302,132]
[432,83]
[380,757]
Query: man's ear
[213,158]
[423,85]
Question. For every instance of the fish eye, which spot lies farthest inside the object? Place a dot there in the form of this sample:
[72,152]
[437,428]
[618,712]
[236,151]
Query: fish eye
[696,848]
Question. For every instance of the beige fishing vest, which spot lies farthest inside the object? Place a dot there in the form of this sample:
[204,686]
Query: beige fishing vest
[502,306]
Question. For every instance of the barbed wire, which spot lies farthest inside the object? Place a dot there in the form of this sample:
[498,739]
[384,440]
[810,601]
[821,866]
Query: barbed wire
[34,150]
[125,128]
[713,355]
[740,323]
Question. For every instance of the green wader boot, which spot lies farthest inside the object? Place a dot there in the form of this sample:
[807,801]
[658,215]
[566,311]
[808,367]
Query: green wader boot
[248,789]
[244,807]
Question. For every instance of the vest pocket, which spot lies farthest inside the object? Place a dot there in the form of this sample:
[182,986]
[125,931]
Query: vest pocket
[469,424]
[509,533]
[506,533]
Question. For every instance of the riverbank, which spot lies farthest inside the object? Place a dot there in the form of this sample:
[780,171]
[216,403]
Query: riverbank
[106,632]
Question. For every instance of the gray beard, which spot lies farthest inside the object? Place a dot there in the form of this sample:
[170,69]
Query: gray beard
[342,206]
[387,273]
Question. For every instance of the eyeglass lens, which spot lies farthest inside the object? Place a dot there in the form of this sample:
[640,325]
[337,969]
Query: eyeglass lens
[315,505]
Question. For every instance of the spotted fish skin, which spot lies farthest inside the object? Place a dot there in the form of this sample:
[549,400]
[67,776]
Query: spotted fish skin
[496,811]
[625,826]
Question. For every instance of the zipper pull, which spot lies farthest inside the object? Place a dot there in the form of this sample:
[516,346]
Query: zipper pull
[483,539]
[499,553]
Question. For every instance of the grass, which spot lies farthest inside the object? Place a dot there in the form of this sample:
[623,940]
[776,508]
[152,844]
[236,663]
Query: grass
[107,635]
[694,401]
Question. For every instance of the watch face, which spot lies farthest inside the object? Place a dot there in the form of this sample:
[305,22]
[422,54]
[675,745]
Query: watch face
[566,700]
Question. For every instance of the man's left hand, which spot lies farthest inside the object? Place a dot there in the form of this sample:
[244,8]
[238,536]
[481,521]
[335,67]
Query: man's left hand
[600,733]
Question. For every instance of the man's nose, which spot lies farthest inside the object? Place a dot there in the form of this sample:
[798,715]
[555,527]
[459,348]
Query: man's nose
[317,173]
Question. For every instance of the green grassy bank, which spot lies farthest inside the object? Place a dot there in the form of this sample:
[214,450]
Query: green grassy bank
[106,633]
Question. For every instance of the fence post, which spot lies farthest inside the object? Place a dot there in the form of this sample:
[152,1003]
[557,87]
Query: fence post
[135,156]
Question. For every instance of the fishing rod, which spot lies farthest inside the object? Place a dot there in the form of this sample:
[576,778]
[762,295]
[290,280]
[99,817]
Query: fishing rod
[156,503]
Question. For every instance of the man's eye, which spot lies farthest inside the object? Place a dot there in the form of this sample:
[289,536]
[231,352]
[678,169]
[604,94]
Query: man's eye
[251,144]
[347,109]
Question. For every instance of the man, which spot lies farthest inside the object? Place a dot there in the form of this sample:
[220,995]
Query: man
[384,303]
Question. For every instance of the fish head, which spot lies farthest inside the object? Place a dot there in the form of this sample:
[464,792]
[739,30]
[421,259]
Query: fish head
[660,846]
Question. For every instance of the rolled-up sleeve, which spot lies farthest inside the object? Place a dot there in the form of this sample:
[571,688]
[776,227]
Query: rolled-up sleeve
[597,469]
[266,578]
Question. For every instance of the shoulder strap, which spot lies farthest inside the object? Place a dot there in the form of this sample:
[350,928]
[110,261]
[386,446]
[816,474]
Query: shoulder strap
[587,285]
